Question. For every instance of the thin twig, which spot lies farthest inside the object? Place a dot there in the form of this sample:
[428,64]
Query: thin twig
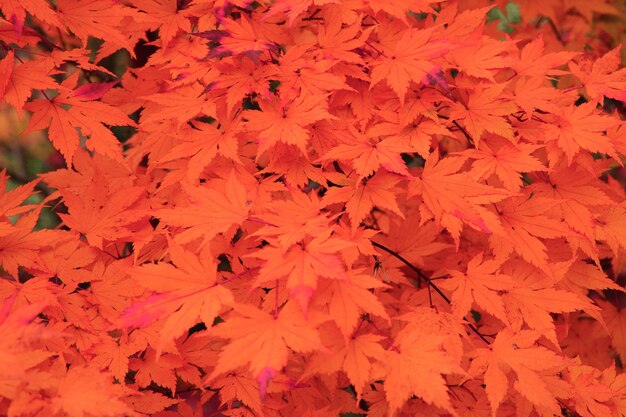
[555,30]
[462,129]
[429,282]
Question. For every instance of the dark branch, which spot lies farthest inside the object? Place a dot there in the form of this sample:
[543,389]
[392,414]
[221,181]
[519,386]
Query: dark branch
[430,283]
[462,129]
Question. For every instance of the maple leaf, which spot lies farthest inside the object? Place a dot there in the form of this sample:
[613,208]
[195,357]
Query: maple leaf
[534,306]
[347,299]
[361,238]
[300,72]
[507,161]
[287,124]
[282,155]
[418,247]
[356,363]
[36,291]
[302,264]
[149,401]
[416,367]
[480,284]
[81,389]
[525,221]
[159,369]
[338,43]
[578,196]
[292,8]
[262,341]
[400,8]
[203,143]
[602,78]
[454,198]
[11,201]
[19,245]
[582,127]
[361,198]
[465,24]
[484,112]
[15,11]
[356,356]
[66,261]
[534,298]
[88,115]
[297,168]
[292,220]
[114,356]
[111,290]
[581,277]
[187,291]
[19,79]
[237,386]
[611,227]
[408,59]
[481,59]
[414,125]
[367,152]
[102,216]
[209,211]
[617,383]
[518,352]
[429,320]
[81,56]
[534,63]
[17,353]
[97,18]
[361,100]
[241,77]
[534,93]
[243,36]
[180,104]
[170,19]
[615,319]
[591,395]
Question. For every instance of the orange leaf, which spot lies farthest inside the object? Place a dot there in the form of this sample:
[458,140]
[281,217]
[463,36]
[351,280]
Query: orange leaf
[287,124]
[348,299]
[507,161]
[367,153]
[519,353]
[485,111]
[211,210]
[262,341]
[88,115]
[83,390]
[583,127]
[361,198]
[408,58]
[479,285]
[603,78]
[302,264]
[20,78]
[188,291]
[416,367]
[454,198]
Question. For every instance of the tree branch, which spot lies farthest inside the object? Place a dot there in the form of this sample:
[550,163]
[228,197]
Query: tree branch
[430,283]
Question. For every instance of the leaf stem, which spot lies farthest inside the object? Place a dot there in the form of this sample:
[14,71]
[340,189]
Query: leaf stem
[276,302]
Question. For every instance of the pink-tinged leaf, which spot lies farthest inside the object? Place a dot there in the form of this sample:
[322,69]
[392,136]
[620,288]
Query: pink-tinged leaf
[93,91]
[264,378]
[144,313]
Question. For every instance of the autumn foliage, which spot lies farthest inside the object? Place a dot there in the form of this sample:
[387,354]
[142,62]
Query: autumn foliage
[315,208]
